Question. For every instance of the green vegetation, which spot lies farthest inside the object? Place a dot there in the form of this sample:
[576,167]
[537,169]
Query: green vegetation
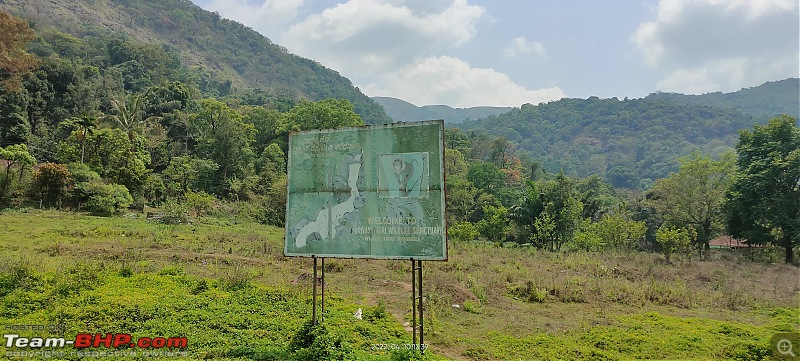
[764,201]
[218,56]
[694,196]
[120,123]
[224,287]
[188,173]
[228,289]
[629,142]
[764,101]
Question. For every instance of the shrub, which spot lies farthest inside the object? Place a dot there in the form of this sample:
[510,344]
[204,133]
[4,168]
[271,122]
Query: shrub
[81,173]
[50,182]
[674,240]
[530,292]
[587,238]
[408,354]
[125,271]
[236,279]
[378,313]
[494,224]
[472,307]
[173,213]
[106,199]
[198,202]
[154,190]
[200,287]
[316,342]
[463,232]
[13,275]
[275,203]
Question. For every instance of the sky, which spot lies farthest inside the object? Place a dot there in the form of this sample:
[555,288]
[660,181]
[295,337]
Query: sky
[465,53]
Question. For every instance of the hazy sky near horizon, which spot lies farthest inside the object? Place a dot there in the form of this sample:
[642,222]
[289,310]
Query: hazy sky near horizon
[466,53]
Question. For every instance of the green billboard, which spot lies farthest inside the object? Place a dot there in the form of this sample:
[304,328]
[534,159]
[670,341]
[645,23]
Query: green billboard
[367,192]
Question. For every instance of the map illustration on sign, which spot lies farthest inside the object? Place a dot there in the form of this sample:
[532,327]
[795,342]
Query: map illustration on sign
[367,192]
[331,214]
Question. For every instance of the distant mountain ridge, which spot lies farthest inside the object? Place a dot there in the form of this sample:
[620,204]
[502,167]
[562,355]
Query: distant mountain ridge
[766,100]
[236,52]
[403,111]
[633,142]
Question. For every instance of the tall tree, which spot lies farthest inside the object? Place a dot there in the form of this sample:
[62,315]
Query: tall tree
[527,211]
[563,208]
[502,151]
[15,34]
[597,196]
[110,153]
[764,202]
[225,138]
[486,176]
[460,199]
[86,125]
[267,123]
[13,155]
[694,196]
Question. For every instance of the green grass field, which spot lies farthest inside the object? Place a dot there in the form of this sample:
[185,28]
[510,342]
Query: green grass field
[227,288]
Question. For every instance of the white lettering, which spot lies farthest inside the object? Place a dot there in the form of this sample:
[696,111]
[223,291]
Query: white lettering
[10,339]
[55,342]
[21,342]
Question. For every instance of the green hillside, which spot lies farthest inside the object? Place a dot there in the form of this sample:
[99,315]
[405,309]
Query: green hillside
[236,53]
[627,141]
[764,101]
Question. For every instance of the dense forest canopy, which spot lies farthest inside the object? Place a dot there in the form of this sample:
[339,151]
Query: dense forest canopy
[630,142]
[764,101]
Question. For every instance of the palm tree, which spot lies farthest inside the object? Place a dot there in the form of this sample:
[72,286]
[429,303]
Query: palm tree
[130,114]
[86,123]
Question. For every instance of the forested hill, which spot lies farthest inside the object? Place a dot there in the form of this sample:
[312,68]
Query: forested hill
[403,111]
[764,101]
[631,142]
[229,49]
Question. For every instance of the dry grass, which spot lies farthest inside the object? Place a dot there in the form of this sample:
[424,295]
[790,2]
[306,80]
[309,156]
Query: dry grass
[508,298]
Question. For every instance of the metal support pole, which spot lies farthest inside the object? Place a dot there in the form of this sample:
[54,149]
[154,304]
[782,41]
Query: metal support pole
[322,316]
[414,301]
[314,299]
[421,311]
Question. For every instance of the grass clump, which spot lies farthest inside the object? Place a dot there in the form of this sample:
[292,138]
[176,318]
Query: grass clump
[316,342]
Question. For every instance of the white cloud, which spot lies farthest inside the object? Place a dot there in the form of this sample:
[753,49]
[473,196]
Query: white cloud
[394,48]
[520,45]
[263,17]
[451,81]
[362,38]
[711,45]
